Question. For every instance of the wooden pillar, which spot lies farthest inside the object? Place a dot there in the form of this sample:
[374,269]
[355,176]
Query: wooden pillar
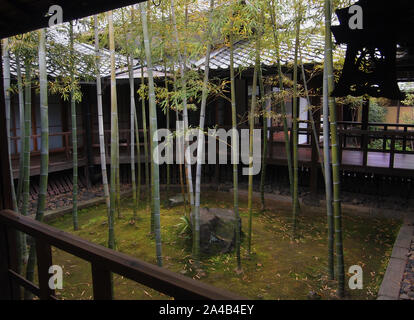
[315,159]
[364,127]
[87,139]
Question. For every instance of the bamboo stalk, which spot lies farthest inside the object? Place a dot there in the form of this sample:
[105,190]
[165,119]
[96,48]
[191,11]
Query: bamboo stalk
[145,130]
[114,136]
[21,121]
[180,166]
[133,118]
[185,110]
[282,102]
[250,188]
[153,128]
[74,135]
[234,152]
[6,83]
[200,147]
[295,128]
[44,158]
[335,152]
[100,116]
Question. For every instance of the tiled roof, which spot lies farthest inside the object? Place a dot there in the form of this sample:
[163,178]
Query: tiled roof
[244,54]
[82,50]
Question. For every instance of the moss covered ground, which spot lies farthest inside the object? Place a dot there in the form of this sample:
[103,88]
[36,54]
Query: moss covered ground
[278,268]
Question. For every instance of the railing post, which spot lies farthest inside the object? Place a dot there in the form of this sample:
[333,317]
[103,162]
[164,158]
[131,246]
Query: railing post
[6,292]
[44,262]
[405,139]
[67,145]
[102,283]
[384,140]
[392,153]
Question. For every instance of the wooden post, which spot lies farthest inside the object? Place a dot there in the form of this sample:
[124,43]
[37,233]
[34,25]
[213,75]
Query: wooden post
[392,152]
[364,137]
[44,262]
[102,283]
[315,159]
[87,139]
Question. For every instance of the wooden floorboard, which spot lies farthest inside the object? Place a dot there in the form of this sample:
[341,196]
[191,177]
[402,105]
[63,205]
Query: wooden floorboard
[378,162]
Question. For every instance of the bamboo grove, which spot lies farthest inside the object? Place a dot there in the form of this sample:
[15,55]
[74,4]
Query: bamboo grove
[171,35]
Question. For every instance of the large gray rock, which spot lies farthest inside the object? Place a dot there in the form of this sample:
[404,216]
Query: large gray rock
[176,200]
[217,230]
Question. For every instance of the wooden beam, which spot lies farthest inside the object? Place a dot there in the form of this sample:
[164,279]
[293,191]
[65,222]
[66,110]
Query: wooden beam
[364,127]
[159,279]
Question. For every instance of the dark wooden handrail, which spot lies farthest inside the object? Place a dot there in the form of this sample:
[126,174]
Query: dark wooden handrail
[105,261]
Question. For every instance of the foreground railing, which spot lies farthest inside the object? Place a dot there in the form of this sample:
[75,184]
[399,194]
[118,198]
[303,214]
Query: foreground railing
[103,262]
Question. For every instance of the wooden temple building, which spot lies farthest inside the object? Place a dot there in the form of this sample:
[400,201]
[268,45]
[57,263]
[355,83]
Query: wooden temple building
[390,167]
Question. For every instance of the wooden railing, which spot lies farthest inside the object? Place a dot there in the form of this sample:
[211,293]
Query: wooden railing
[66,142]
[103,262]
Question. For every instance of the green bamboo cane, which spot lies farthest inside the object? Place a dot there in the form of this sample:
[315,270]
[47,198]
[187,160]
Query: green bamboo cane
[26,151]
[250,190]
[200,147]
[335,152]
[132,106]
[265,128]
[74,134]
[295,128]
[44,153]
[310,113]
[6,82]
[114,137]
[138,146]
[182,61]
[21,121]
[153,128]
[118,172]
[100,116]
[27,129]
[137,139]
[180,166]
[21,240]
[235,151]
[328,179]
[146,151]
[282,102]
[167,111]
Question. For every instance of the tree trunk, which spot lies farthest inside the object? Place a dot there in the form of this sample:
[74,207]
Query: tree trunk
[153,128]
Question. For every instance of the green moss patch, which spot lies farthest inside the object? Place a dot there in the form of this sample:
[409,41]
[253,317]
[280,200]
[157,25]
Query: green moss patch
[278,268]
